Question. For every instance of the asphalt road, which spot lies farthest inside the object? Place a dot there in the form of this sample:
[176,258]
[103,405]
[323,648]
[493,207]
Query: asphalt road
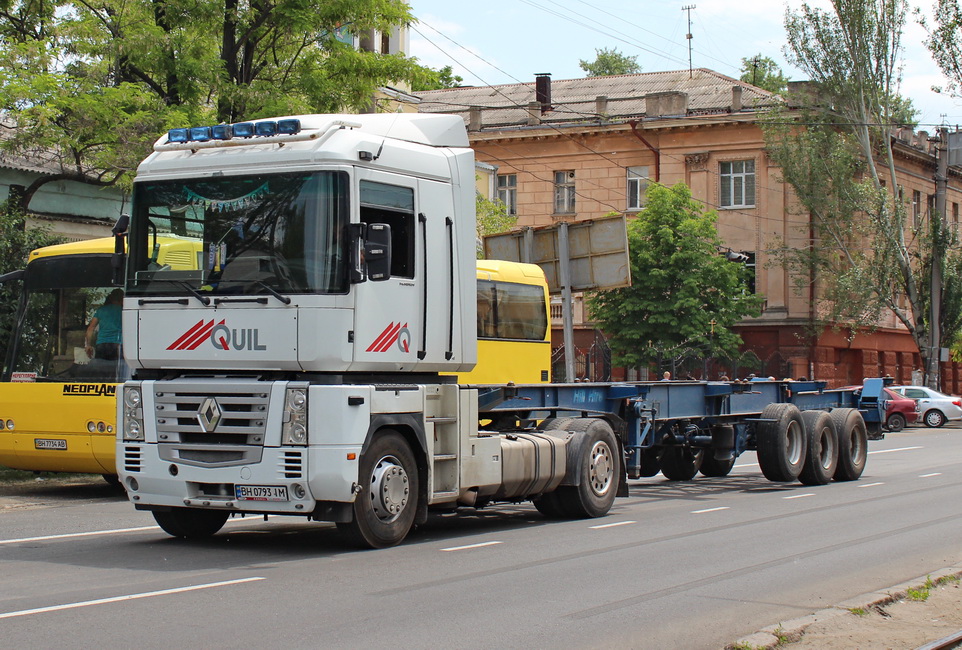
[693,565]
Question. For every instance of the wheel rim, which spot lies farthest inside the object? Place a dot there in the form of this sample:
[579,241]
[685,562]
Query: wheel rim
[390,489]
[933,418]
[828,451]
[795,442]
[601,468]
[896,422]
[858,450]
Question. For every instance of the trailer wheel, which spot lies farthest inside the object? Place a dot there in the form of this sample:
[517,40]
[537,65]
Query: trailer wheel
[822,457]
[852,444]
[895,423]
[385,507]
[600,471]
[650,464]
[711,466]
[190,523]
[681,463]
[781,443]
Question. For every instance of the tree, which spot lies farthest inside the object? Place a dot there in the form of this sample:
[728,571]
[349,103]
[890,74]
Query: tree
[945,43]
[609,62]
[763,72]
[492,218]
[685,294]
[99,82]
[437,79]
[863,256]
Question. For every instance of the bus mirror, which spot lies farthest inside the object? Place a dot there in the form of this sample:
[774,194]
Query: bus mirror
[377,251]
[11,276]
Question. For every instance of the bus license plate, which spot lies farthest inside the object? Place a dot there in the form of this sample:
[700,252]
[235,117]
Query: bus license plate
[261,492]
[48,443]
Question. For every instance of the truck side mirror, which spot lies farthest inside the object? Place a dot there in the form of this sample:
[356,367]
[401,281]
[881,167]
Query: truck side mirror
[119,259]
[370,252]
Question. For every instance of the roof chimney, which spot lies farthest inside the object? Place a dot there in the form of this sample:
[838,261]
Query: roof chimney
[736,99]
[542,91]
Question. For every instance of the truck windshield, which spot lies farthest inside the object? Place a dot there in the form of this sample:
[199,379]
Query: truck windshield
[61,296]
[285,233]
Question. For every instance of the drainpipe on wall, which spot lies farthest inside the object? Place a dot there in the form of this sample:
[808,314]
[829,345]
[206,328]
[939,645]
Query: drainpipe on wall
[634,129]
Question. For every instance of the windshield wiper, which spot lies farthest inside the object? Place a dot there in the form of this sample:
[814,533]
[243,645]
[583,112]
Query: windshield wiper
[271,290]
[191,290]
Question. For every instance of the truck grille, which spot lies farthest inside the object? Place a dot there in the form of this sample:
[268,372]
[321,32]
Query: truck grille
[234,415]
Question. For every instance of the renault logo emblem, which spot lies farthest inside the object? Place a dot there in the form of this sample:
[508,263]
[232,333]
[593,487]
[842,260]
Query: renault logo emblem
[209,414]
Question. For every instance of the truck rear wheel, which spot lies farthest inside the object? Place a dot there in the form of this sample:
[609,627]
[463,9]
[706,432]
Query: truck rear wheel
[600,471]
[385,507]
[821,458]
[680,463]
[852,444]
[780,444]
[190,523]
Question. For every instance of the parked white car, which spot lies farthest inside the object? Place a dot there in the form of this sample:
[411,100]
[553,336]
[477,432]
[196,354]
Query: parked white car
[936,407]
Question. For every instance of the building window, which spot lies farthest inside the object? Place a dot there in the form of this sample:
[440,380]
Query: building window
[916,208]
[738,184]
[955,216]
[564,192]
[637,184]
[508,192]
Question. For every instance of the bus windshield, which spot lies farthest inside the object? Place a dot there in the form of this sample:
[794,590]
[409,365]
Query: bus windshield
[61,296]
[265,233]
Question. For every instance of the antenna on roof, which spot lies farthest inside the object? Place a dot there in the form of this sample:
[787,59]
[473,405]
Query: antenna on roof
[688,8]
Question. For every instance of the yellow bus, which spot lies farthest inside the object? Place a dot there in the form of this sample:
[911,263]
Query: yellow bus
[514,333]
[57,404]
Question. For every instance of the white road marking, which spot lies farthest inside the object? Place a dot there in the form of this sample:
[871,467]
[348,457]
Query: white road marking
[871,485]
[462,548]
[800,496]
[117,599]
[94,533]
[930,475]
[617,523]
[699,512]
[745,465]
[889,451]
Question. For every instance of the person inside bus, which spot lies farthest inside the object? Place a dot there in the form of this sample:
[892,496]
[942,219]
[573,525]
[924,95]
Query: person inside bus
[103,333]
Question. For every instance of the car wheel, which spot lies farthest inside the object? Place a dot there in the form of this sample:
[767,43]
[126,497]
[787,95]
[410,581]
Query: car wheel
[896,422]
[934,418]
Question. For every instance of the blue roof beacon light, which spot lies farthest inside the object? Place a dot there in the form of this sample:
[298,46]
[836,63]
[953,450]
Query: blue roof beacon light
[221,132]
[265,128]
[177,135]
[243,129]
[288,127]
[200,133]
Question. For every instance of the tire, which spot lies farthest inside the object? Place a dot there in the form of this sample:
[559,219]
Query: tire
[895,422]
[550,506]
[191,523]
[710,466]
[780,444]
[385,507]
[680,463]
[112,480]
[821,458]
[600,471]
[650,465]
[934,418]
[852,444]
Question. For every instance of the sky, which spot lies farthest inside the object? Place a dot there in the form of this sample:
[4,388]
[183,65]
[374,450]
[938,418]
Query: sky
[509,41]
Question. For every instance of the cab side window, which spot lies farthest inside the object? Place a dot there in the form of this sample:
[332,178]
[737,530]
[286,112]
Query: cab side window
[393,205]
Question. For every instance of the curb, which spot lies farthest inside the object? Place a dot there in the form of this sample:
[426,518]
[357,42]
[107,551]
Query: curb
[793,629]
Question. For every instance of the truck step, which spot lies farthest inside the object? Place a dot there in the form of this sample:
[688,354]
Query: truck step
[438,457]
[442,495]
[440,420]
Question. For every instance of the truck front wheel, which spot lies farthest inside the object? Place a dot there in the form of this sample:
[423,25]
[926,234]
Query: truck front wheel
[385,507]
[600,471]
[190,523]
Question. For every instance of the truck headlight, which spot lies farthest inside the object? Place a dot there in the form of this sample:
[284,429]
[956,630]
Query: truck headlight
[294,430]
[133,414]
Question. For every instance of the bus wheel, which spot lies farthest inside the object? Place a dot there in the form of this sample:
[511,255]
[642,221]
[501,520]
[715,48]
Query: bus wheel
[190,523]
[781,442]
[822,457]
[600,471]
[852,444]
[385,507]
[680,463]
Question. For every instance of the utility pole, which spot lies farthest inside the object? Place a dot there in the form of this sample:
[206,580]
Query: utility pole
[937,225]
[688,8]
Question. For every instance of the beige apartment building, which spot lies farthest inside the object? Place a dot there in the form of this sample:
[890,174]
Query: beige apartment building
[579,149]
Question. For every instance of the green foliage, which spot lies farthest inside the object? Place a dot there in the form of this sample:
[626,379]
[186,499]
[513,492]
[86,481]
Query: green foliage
[436,79]
[680,284]
[493,218]
[99,82]
[610,62]
[763,72]
[16,242]
[945,43]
